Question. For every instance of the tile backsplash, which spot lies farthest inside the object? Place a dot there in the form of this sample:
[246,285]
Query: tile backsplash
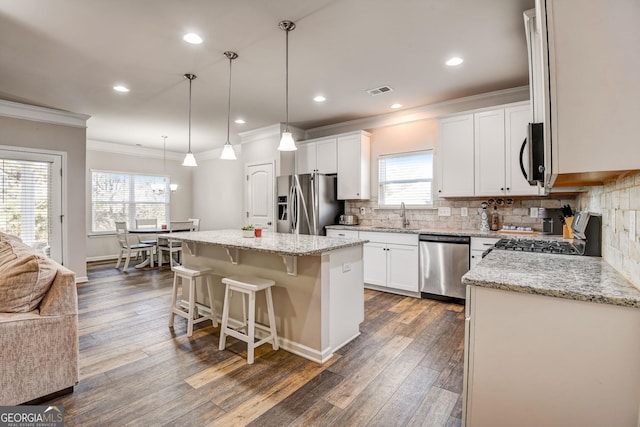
[619,204]
[516,214]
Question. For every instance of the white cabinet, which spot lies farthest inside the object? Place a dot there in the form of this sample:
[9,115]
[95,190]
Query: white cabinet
[478,246]
[391,260]
[354,167]
[489,153]
[533,360]
[317,156]
[592,84]
[499,136]
[479,153]
[350,234]
[455,156]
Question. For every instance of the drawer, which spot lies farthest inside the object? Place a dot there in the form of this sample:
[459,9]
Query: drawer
[482,243]
[351,234]
[394,238]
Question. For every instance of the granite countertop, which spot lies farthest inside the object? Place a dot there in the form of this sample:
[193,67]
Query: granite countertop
[271,242]
[449,232]
[573,277]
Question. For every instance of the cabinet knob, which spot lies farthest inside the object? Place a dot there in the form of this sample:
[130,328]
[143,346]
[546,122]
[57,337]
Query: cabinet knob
[439,191]
[501,188]
[508,189]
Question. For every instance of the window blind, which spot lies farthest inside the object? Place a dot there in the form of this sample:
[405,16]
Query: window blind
[25,200]
[118,196]
[406,178]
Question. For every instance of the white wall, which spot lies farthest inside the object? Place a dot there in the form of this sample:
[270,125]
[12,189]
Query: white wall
[218,189]
[100,247]
[68,139]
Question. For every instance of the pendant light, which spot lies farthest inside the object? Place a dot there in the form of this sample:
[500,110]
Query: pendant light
[286,142]
[227,150]
[189,160]
[172,187]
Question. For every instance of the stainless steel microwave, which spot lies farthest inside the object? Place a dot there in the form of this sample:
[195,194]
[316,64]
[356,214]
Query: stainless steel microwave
[534,170]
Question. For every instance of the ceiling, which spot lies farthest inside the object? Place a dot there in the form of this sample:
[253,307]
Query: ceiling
[68,54]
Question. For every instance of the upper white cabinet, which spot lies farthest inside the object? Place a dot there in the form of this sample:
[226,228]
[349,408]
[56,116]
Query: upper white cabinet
[317,156]
[500,136]
[354,165]
[480,153]
[455,156]
[591,81]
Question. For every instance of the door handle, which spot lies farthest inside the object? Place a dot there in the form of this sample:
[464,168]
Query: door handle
[524,172]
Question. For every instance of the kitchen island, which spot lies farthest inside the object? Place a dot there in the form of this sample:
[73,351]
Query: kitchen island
[319,292]
[550,340]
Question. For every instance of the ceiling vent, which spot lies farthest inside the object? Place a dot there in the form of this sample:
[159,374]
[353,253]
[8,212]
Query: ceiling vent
[379,90]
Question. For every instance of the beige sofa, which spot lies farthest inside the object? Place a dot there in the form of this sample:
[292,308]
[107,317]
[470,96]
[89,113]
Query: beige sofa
[38,325]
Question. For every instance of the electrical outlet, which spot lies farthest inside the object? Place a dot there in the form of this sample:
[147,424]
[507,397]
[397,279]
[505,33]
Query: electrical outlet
[464,211]
[446,211]
[533,212]
[363,210]
[346,267]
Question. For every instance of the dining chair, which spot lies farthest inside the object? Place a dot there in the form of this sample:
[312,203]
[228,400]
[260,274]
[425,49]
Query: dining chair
[147,223]
[173,246]
[128,248]
[196,223]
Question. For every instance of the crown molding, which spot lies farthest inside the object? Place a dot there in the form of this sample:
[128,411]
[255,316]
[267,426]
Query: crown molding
[33,113]
[424,112]
[132,150]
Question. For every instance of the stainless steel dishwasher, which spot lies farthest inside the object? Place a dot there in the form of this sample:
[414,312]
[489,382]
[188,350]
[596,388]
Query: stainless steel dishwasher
[444,260]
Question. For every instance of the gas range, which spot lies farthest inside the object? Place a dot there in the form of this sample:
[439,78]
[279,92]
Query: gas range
[541,246]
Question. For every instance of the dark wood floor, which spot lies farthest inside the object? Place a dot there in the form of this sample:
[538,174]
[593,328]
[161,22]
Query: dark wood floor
[405,369]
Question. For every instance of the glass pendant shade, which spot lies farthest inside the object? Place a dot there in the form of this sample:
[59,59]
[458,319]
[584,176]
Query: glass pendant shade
[227,152]
[189,160]
[287,143]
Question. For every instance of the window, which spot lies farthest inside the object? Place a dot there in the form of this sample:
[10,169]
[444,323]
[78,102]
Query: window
[405,178]
[31,199]
[120,196]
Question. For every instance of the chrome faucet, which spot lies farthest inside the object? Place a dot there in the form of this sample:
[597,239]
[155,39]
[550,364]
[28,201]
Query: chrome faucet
[403,215]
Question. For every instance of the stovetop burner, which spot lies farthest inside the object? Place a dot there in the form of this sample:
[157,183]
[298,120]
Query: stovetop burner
[541,246]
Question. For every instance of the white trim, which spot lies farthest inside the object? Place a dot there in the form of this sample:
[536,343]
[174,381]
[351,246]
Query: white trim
[64,244]
[132,150]
[424,112]
[41,114]
[102,258]
[82,279]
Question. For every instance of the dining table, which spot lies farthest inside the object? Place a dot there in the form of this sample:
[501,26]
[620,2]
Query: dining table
[153,230]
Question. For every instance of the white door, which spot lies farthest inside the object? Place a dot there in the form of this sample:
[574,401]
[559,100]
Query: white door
[516,121]
[349,168]
[327,156]
[260,195]
[374,259]
[31,199]
[306,158]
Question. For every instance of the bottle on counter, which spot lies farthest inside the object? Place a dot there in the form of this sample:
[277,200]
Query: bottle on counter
[495,220]
[484,219]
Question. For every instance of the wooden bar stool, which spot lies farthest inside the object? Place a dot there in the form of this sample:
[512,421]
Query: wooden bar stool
[248,285]
[177,307]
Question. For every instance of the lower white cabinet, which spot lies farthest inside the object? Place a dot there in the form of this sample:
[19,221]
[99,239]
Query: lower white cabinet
[534,360]
[478,246]
[391,260]
[351,234]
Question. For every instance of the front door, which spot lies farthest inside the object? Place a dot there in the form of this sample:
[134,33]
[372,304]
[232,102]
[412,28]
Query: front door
[260,198]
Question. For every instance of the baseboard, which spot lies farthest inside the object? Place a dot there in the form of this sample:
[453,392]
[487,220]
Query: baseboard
[293,347]
[49,397]
[102,258]
[82,279]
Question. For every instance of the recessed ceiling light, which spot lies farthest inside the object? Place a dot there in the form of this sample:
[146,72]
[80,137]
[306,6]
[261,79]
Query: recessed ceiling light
[396,105]
[452,62]
[120,88]
[240,121]
[192,38]
[319,98]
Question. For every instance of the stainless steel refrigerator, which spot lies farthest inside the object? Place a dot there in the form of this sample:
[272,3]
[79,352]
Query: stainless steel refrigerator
[307,203]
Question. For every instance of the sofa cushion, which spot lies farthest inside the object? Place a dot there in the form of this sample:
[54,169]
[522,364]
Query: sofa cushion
[25,276]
